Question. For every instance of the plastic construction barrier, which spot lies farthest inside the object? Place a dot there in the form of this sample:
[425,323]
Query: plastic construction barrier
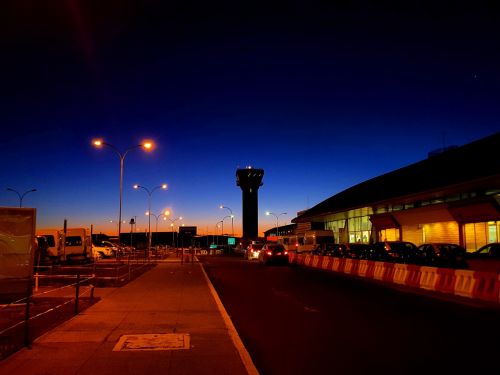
[348,264]
[428,278]
[300,259]
[413,275]
[445,280]
[317,261]
[378,271]
[327,263]
[336,264]
[341,265]
[352,266]
[308,260]
[465,283]
[363,268]
[400,272]
[388,272]
[487,286]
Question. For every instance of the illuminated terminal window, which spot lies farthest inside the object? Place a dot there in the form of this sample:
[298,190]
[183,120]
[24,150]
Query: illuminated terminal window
[480,234]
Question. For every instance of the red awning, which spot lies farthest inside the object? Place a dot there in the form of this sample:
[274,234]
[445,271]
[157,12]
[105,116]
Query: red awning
[481,211]
[384,221]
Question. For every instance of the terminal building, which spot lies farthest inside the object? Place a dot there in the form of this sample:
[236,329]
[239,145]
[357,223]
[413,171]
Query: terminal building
[452,196]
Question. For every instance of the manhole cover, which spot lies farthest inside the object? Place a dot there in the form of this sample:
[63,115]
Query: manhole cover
[153,341]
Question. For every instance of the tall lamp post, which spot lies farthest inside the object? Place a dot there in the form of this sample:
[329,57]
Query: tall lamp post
[222,221]
[21,196]
[217,229]
[276,216]
[150,192]
[145,145]
[232,218]
[172,224]
[156,217]
[117,224]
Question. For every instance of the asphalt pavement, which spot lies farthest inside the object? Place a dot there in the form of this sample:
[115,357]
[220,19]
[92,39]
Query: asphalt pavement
[167,321]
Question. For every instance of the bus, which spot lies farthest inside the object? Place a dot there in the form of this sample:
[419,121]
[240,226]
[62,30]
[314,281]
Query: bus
[309,241]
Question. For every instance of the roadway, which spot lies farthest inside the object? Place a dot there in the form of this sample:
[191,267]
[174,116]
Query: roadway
[296,320]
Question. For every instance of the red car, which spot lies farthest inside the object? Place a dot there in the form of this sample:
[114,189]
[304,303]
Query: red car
[273,253]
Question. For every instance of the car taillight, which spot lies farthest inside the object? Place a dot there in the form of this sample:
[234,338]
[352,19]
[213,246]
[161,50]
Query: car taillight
[269,252]
[285,252]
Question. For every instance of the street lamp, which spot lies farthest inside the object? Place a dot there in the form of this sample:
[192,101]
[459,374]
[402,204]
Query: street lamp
[156,217]
[146,145]
[232,218]
[150,192]
[222,221]
[117,224]
[217,229]
[21,196]
[276,216]
[172,221]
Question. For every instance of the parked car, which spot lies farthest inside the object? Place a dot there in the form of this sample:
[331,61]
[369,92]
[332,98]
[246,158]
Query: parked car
[252,251]
[397,251]
[486,258]
[443,255]
[102,251]
[349,250]
[273,253]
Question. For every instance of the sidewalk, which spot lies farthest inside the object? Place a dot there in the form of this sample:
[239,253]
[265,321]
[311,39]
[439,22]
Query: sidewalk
[179,323]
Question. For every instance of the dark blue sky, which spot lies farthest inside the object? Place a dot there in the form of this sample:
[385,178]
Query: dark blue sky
[320,96]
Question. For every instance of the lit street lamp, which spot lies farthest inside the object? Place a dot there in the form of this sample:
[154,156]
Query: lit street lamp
[276,216]
[232,218]
[150,192]
[21,196]
[217,229]
[172,223]
[147,145]
[117,224]
[222,222]
[156,217]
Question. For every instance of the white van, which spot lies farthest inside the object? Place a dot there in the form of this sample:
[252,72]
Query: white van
[54,240]
[77,245]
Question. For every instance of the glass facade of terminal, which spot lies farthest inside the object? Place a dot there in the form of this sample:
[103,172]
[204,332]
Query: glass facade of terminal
[426,222]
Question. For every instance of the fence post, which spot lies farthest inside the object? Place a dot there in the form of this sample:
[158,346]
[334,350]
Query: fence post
[77,292]
[27,342]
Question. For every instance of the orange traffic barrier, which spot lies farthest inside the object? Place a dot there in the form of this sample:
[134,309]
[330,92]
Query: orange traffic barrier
[445,281]
[400,271]
[413,275]
[324,263]
[487,286]
[428,278]
[336,264]
[292,257]
[388,272]
[348,264]
[317,260]
[378,272]
[300,259]
[307,259]
[355,267]
[464,283]
[341,265]
[363,267]
[371,269]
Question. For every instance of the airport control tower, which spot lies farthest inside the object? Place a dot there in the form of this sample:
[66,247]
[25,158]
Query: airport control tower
[249,180]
